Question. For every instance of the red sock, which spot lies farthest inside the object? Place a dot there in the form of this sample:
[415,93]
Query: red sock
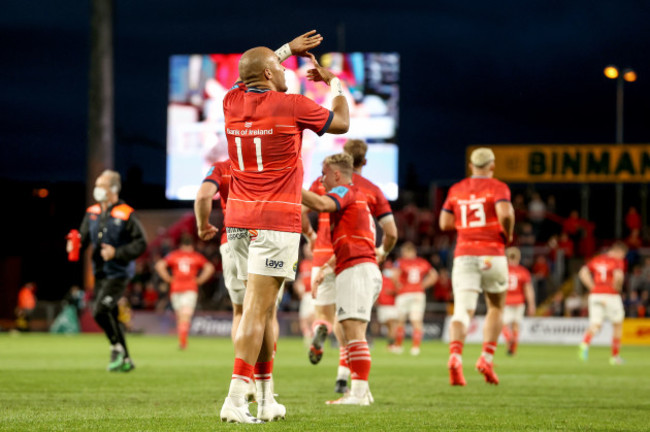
[417,338]
[343,357]
[587,338]
[183,331]
[456,347]
[489,348]
[275,349]
[399,335]
[242,370]
[322,322]
[506,333]
[360,360]
[616,346]
[263,370]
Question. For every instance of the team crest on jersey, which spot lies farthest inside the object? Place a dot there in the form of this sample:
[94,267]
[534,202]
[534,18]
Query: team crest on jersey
[340,191]
[248,124]
[210,171]
[487,264]
[252,234]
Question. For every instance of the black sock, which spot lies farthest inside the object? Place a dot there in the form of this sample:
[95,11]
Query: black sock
[118,330]
[105,321]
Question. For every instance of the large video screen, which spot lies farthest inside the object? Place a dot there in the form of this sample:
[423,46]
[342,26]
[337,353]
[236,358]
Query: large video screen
[196,129]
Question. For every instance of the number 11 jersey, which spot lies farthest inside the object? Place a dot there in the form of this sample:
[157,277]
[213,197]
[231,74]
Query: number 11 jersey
[264,132]
[473,203]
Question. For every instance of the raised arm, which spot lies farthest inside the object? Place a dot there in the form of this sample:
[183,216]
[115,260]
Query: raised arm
[341,120]
[319,203]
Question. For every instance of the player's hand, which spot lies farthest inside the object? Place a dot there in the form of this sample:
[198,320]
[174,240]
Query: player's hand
[381,257]
[301,45]
[319,73]
[107,252]
[208,232]
[311,241]
[317,281]
[68,246]
[531,311]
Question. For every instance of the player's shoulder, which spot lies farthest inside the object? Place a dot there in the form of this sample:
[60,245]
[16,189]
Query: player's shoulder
[364,183]
[341,191]
[122,211]
[94,209]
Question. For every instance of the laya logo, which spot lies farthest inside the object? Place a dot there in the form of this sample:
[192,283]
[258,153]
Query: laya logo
[274,264]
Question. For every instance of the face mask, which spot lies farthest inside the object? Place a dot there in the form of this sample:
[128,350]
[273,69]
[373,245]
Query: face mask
[100,194]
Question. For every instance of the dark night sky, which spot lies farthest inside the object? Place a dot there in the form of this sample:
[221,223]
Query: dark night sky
[472,73]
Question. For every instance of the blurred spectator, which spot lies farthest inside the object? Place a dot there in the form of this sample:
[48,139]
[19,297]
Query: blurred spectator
[150,296]
[518,203]
[634,306]
[68,320]
[573,305]
[25,306]
[526,242]
[633,243]
[551,205]
[556,308]
[442,291]
[536,212]
[135,295]
[541,271]
[633,220]
[645,302]
[573,226]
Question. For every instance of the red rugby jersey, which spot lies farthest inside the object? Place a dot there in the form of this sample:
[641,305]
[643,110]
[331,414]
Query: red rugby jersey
[264,132]
[518,276]
[323,249]
[185,266]
[412,272]
[219,174]
[602,269]
[352,227]
[304,273]
[472,201]
[387,293]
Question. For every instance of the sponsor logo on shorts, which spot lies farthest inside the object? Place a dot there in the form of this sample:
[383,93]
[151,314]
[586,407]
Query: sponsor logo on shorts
[236,233]
[252,234]
[274,264]
[487,264]
[295,266]
[341,311]
[361,310]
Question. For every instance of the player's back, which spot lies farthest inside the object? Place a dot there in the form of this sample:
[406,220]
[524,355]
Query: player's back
[518,276]
[473,203]
[377,202]
[323,250]
[264,132]
[602,269]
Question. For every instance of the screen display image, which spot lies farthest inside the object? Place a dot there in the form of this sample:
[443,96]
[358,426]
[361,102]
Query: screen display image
[196,129]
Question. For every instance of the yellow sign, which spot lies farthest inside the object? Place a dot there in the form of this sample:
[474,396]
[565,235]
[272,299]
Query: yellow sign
[636,331]
[571,163]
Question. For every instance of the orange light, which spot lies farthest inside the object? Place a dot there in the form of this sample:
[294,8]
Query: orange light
[611,72]
[629,75]
[43,193]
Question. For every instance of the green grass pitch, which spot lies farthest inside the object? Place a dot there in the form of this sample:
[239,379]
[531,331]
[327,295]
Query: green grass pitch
[59,383]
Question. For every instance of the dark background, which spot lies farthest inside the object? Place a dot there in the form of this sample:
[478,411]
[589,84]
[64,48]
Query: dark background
[472,72]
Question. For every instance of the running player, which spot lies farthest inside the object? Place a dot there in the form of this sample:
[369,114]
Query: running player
[520,293]
[412,276]
[264,130]
[603,276]
[189,269]
[358,279]
[325,306]
[479,209]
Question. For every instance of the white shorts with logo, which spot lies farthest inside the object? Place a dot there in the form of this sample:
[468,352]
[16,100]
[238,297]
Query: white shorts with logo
[411,305]
[357,289]
[236,288]
[326,292]
[306,306]
[386,313]
[513,313]
[605,306]
[184,300]
[480,273]
[264,252]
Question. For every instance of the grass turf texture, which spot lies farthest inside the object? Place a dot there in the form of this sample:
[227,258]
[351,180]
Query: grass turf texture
[59,383]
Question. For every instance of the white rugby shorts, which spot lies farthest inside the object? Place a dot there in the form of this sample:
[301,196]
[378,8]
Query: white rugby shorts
[306,306]
[386,313]
[357,289]
[184,300]
[326,291]
[236,288]
[513,313]
[480,273]
[411,305]
[264,252]
[605,306]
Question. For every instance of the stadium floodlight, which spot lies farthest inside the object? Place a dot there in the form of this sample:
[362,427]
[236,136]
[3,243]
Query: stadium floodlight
[611,72]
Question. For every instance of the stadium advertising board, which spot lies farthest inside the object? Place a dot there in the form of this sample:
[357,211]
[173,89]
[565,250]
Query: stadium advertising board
[543,330]
[196,126]
[606,163]
[636,331]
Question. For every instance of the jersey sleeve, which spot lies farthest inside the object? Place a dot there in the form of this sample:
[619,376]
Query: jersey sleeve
[341,196]
[502,193]
[214,175]
[449,203]
[169,259]
[310,115]
[526,276]
[381,207]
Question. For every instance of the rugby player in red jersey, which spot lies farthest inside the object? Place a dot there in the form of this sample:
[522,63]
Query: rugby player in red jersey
[479,209]
[189,269]
[603,276]
[386,310]
[325,298]
[263,223]
[358,279]
[520,293]
[412,276]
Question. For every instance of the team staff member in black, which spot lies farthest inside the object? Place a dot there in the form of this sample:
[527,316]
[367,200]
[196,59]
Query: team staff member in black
[117,239]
